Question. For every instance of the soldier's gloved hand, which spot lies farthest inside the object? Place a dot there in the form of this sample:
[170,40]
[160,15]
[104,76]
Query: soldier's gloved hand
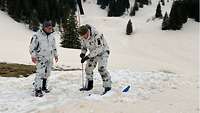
[82,55]
[56,59]
[34,60]
[84,59]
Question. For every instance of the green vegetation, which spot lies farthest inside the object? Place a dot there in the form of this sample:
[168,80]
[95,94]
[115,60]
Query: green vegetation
[16,70]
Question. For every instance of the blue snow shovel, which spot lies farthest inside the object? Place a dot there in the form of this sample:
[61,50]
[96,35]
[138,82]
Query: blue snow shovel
[126,89]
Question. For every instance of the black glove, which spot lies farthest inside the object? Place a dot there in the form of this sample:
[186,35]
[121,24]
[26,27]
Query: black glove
[84,59]
[108,51]
[82,55]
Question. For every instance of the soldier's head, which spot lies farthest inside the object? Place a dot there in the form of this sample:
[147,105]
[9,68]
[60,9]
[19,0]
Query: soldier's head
[47,26]
[83,31]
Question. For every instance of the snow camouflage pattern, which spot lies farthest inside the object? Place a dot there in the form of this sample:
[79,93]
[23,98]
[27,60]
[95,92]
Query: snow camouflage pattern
[43,48]
[98,53]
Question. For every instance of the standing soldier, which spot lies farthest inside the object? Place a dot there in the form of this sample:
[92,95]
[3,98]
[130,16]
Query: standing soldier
[98,53]
[43,50]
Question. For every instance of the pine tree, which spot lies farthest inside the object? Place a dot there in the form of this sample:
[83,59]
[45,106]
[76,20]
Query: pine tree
[196,10]
[117,7]
[132,13]
[183,8]
[3,5]
[112,8]
[70,37]
[104,4]
[158,11]
[165,23]
[129,28]
[80,7]
[145,2]
[175,17]
[126,4]
[120,8]
[163,2]
[25,11]
[141,5]
[12,6]
[34,21]
[43,10]
[22,10]
[99,2]
[136,7]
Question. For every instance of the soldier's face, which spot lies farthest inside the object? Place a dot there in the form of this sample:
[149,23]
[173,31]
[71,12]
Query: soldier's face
[48,29]
[86,35]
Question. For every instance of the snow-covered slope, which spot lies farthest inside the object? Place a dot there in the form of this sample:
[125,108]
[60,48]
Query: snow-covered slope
[149,47]
[160,66]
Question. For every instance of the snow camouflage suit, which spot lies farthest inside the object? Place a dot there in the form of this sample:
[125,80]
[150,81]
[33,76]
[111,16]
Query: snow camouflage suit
[43,48]
[98,53]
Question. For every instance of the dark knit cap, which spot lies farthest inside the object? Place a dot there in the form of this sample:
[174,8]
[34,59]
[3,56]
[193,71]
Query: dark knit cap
[47,24]
[82,30]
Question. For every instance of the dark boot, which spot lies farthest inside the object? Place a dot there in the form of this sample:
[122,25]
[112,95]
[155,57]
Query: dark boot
[88,87]
[38,93]
[44,86]
[106,90]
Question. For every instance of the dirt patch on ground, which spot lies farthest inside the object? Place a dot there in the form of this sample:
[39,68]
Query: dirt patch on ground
[16,70]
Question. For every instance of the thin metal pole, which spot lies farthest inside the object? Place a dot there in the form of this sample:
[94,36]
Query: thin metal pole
[82,76]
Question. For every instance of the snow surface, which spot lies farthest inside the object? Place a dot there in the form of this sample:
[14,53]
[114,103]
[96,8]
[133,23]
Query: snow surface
[160,66]
[64,88]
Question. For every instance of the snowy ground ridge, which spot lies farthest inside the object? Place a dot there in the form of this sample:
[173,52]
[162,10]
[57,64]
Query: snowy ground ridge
[16,93]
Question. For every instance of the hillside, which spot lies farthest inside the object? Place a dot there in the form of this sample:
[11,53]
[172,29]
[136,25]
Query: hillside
[160,66]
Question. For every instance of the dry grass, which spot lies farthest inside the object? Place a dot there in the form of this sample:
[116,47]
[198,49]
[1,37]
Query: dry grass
[16,70]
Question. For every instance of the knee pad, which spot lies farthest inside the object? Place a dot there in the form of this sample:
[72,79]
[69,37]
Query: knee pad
[102,69]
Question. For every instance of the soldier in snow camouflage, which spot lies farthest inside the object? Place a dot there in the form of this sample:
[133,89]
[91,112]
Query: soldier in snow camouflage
[98,53]
[43,50]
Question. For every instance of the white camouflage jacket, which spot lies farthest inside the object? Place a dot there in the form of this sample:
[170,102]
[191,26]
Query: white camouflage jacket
[96,44]
[43,45]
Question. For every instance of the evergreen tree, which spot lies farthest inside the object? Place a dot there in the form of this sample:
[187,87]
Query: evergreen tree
[144,2]
[70,37]
[80,7]
[99,2]
[104,3]
[183,8]
[196,10]
[126,4]
[158,11]
[132,13]
[12,6]
[112,8]
[25,11]
[3,5]
[136,7]
[22,10]
[193,9]
[43,10]
[163,2]
[129,28]
[165,23]
[141,5]
[34,21]
[120,9]
[175,16]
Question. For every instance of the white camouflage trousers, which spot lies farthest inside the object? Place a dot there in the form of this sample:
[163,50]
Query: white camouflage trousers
[43,70]
[102,68]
